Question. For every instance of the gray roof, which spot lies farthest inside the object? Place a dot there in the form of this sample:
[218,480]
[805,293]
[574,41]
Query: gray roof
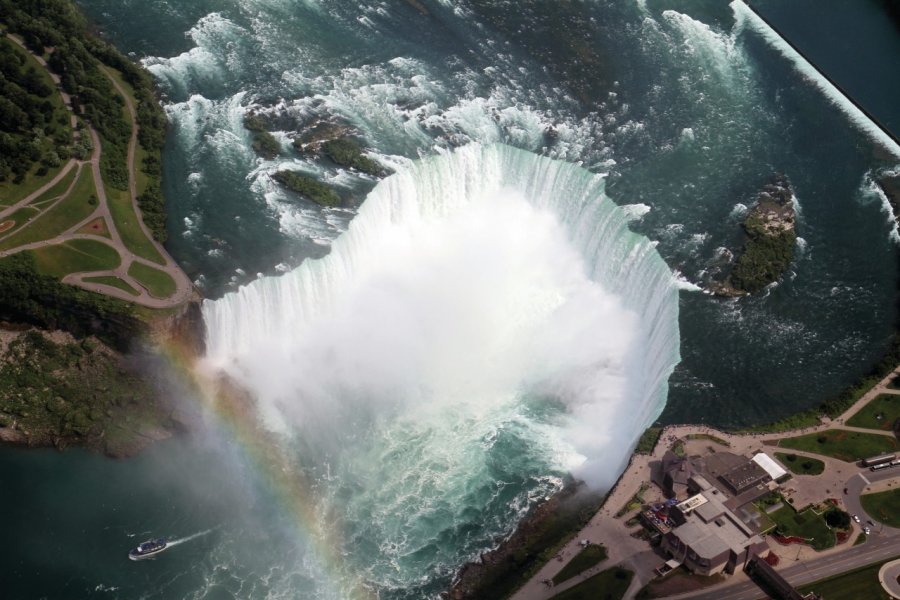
[711,529]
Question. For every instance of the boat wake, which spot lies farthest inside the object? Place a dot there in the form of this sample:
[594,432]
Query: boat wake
[194,536]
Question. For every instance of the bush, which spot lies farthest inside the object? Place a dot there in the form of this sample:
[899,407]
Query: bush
[308,187]
[347,153]
[265,144]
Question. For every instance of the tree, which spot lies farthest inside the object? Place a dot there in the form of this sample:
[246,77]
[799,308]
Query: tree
[837,519]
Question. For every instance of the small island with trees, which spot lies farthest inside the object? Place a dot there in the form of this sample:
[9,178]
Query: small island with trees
[770,238]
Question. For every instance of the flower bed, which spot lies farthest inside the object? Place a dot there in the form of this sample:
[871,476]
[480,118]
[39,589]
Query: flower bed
[788,540]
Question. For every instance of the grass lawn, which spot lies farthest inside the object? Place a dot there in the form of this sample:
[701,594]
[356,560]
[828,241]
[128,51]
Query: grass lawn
[582,561]
[861,583]
[57,190]
[801,465]
[610,584]
[880,413]
[807,525]
[113,282]
[883,506]
[75,256]
[711,438]
[157,282]
[96,227]
[126,222]
[844,445]
[20,218]
[54,221]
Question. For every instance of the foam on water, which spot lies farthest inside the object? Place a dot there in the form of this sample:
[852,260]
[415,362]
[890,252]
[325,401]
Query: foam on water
[487,318]
[870,192]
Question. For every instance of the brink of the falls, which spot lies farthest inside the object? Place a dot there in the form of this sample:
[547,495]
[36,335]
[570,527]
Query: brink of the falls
[487,323]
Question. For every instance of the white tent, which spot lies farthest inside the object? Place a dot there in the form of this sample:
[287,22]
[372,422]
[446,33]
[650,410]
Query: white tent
[769,465]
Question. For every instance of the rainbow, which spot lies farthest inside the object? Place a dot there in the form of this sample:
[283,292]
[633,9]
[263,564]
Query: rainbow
[233,411]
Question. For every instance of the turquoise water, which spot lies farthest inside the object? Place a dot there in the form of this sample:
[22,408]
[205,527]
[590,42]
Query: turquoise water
[687,112]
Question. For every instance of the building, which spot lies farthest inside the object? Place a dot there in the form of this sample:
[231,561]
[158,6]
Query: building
[708,538]
[676,473]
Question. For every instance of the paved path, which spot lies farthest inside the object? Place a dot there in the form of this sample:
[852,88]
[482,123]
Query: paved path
[183,287]
[888,575]
[605,528]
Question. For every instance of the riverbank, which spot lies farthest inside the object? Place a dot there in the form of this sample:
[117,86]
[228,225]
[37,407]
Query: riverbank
[58,390]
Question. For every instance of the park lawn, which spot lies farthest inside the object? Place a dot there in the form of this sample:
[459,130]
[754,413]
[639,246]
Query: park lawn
[57,190]
[157,282]
[75,256]
[610,584]
[883,506]
[96,227]
[880,413]
[584,560]
[113,282]
[807,525]
[711,438]
[853,585]
[126,222]
[801,465]
[57,220]
[21,217]
[848,446]
[10,193]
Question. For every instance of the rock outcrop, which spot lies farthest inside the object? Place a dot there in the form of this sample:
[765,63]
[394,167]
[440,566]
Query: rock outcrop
[768,248]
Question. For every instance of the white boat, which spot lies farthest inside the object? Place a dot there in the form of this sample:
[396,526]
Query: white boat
[148,549]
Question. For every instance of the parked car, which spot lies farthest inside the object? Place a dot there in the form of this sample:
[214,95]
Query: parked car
[866,530]
[856,518]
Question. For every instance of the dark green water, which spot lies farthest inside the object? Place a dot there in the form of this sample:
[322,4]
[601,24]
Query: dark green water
[856,43]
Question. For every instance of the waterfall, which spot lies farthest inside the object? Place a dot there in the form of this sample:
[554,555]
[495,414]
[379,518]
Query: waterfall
[254,332]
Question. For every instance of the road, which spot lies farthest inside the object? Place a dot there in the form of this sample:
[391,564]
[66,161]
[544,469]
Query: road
[876,549]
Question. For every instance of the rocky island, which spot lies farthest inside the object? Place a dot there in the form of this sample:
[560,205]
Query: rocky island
[768,248]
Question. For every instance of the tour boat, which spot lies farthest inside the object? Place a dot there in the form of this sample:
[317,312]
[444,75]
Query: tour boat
[148,549]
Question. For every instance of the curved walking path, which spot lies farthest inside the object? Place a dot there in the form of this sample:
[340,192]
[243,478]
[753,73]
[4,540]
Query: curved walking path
[636,555]
[888,575]
[184,288]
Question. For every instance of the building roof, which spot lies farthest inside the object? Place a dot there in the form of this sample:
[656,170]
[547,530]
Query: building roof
[743,476]
[769,465]
[710,528]
[721,463]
